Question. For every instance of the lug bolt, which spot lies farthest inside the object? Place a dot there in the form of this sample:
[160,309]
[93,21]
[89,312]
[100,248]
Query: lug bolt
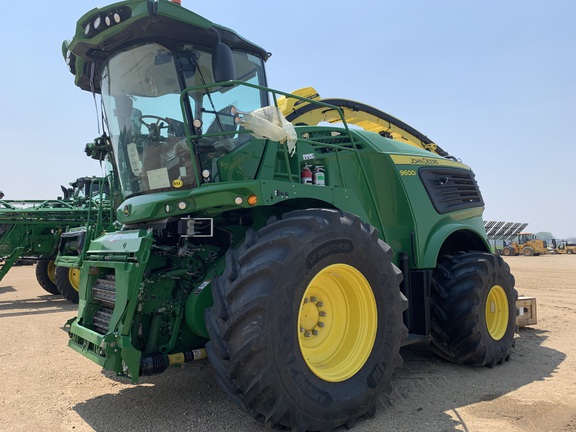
[307,334]
[322,314]
[320,304]
[313,299]
[315,332]
[321,324]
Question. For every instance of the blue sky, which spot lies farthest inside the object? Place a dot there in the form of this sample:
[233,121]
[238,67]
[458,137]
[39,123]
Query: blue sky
[492,82]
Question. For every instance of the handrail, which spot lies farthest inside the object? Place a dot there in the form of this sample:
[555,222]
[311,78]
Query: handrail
[190,136]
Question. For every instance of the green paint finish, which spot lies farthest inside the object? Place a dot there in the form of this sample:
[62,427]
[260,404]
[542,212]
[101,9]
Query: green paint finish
[144,290]
[34,228]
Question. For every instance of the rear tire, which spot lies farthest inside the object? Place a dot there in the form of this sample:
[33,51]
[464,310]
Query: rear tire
[46,275]
[473,309]
[307,321]
[67,281]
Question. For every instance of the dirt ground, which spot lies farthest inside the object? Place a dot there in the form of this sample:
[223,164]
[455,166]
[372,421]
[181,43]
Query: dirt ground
[47,386]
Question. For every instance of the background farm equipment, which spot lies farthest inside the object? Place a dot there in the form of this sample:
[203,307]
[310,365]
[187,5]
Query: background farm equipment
[525,244]
[562,247]
[31,230]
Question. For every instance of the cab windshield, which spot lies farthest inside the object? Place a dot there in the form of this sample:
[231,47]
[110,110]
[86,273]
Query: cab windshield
[148,124]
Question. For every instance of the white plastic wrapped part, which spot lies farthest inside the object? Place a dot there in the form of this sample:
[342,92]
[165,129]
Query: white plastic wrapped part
[270,123]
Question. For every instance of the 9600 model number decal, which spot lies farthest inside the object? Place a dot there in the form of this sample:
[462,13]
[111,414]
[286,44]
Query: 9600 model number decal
[407,172]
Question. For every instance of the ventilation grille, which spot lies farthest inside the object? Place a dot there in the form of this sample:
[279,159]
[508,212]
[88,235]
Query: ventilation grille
[451,189]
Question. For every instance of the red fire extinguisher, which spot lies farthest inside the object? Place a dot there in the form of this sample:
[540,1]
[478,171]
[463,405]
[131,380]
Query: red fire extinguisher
[306,175]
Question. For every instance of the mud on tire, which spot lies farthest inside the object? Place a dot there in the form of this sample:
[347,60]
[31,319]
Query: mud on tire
[274,323]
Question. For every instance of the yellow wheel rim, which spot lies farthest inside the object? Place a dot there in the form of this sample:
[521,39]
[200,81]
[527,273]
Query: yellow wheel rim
[52,271]
[74,277]
[337,322]
[497,315]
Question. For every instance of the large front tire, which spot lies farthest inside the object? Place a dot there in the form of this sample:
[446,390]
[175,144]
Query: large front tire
[46,275]
[67,281]
[473,309]
[528,251]
[307,321]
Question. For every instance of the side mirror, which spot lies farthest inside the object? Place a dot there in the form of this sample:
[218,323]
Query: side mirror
[223,63]
[66,195]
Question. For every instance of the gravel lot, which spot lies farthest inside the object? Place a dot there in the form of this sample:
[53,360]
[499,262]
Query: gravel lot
[47,386]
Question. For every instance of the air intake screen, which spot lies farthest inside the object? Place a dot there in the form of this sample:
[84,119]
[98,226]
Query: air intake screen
[451,189]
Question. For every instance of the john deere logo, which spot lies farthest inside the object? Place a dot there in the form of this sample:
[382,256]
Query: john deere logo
[177,183]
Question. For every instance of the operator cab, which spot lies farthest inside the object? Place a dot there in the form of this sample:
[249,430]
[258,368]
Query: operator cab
[165,135]
[524,238]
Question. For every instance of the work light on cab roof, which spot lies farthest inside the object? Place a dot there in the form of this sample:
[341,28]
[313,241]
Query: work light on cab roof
[104,20]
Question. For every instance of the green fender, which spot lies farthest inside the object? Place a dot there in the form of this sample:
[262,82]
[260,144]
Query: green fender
[434,243]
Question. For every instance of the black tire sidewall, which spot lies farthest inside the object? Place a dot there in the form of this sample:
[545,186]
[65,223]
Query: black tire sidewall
[254,329]
[65,286]
[354,248]
[459,298]
[499,276]
[43,275]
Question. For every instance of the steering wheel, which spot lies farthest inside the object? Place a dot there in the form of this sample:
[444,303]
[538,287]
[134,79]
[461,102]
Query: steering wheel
[154,128]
